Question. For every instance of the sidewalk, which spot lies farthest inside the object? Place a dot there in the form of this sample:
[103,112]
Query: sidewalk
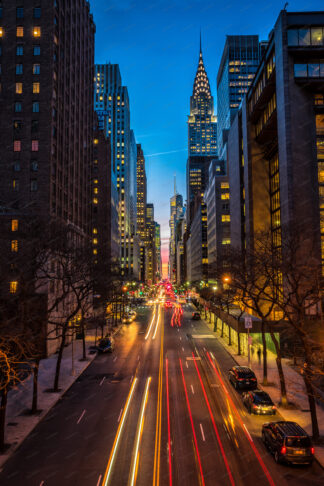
[19,423]
[295,390]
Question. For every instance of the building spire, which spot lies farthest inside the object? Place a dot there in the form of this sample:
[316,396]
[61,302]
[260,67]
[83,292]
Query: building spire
[200,49]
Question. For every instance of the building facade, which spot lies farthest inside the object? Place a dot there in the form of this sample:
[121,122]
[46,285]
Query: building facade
[176,212]
[217,199]
[277,138]
[46,115]
[239,62]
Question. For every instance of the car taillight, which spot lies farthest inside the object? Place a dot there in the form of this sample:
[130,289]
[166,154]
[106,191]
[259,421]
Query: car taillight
[255,406]
[312,450]
[253,379]
[283,450]
[273,407]
[240,379]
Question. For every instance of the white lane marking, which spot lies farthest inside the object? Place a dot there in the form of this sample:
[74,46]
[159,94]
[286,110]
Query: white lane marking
[99,480]
[131,379]
[102,381]
[182,348]
[248,433]
[187,364]
[121,411]
[202,432]
[81,416]
[180,338]
[42,483]
[115,358]
[192,389]
[138,357]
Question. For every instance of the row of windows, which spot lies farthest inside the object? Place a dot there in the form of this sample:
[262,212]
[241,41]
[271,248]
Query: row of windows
[313,36]
[33,185]
[36,31]
[312,69]
[37,11]
[19,88]
[17,146]
[267,112]
[18,107]
[19,68]
[20,50]
[33,166]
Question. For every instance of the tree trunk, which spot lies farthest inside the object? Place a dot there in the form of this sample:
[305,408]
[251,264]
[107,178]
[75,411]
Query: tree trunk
[229,336]
[222,332]
[264,353]
[239,343]
[35,386]
[283,389]
[84,354]
[59,359]
[3,408]
[307,375]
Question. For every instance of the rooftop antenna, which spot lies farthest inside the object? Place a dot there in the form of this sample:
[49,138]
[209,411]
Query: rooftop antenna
[286,5]
[200,51]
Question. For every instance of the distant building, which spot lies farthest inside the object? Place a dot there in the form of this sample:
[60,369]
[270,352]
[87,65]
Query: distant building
[113,110]
[197,250]
[239,62]
[176,211]
[217,198]
[141,208]
[158,249]
[150,250]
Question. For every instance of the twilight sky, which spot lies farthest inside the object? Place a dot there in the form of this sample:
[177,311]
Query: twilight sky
[156,45]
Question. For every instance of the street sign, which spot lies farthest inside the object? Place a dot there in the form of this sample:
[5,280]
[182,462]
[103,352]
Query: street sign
[248,322]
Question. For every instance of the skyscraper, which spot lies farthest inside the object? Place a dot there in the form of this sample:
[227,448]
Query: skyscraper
[112,107]
[239,63]
[176,211]
[141,207]
[202,135]
[46,118]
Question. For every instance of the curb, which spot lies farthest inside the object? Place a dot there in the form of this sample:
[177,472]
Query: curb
[13,449]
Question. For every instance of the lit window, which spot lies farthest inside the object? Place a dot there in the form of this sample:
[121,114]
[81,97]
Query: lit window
[19,88]
[1,31]
[226,218]
[36,87]
[20,32]
[95,251]
[14,246]
[95,141]
[13,286]
[17,145]
[35,107]
[34,145]
[36,68]
[226,241]
[14,225]
[94,231]
[15,184]
[224,185]
[95,241]
[36,31]
[95,190]
[95,200]
[225,195]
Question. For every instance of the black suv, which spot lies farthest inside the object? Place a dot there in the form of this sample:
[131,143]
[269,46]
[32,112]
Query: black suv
[196,316]
[288,442]
[242,377]
[259,402]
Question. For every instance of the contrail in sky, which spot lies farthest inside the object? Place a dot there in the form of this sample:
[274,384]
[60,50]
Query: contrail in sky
[165,153]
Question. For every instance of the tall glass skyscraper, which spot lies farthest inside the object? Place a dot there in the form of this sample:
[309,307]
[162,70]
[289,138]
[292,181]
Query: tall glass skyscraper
[238,65]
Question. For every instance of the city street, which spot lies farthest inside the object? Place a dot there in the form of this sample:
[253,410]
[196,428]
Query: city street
[159,410]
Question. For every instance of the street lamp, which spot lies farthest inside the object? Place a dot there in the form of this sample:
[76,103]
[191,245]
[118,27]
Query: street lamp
[215,288]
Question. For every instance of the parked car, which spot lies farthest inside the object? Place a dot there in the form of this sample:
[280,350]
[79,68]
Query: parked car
[242,377]
[128,318]
[259,402]
[288,442]
[196,316]
[105,345]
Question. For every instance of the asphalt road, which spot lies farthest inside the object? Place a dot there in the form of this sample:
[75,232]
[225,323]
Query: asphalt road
[157,411]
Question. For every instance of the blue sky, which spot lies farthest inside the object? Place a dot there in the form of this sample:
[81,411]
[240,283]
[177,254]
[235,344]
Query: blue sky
[156,45]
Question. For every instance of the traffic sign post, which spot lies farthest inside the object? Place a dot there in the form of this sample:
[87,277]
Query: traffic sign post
[248,326]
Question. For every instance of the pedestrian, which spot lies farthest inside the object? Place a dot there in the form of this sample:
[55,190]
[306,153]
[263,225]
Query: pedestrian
[259,355]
